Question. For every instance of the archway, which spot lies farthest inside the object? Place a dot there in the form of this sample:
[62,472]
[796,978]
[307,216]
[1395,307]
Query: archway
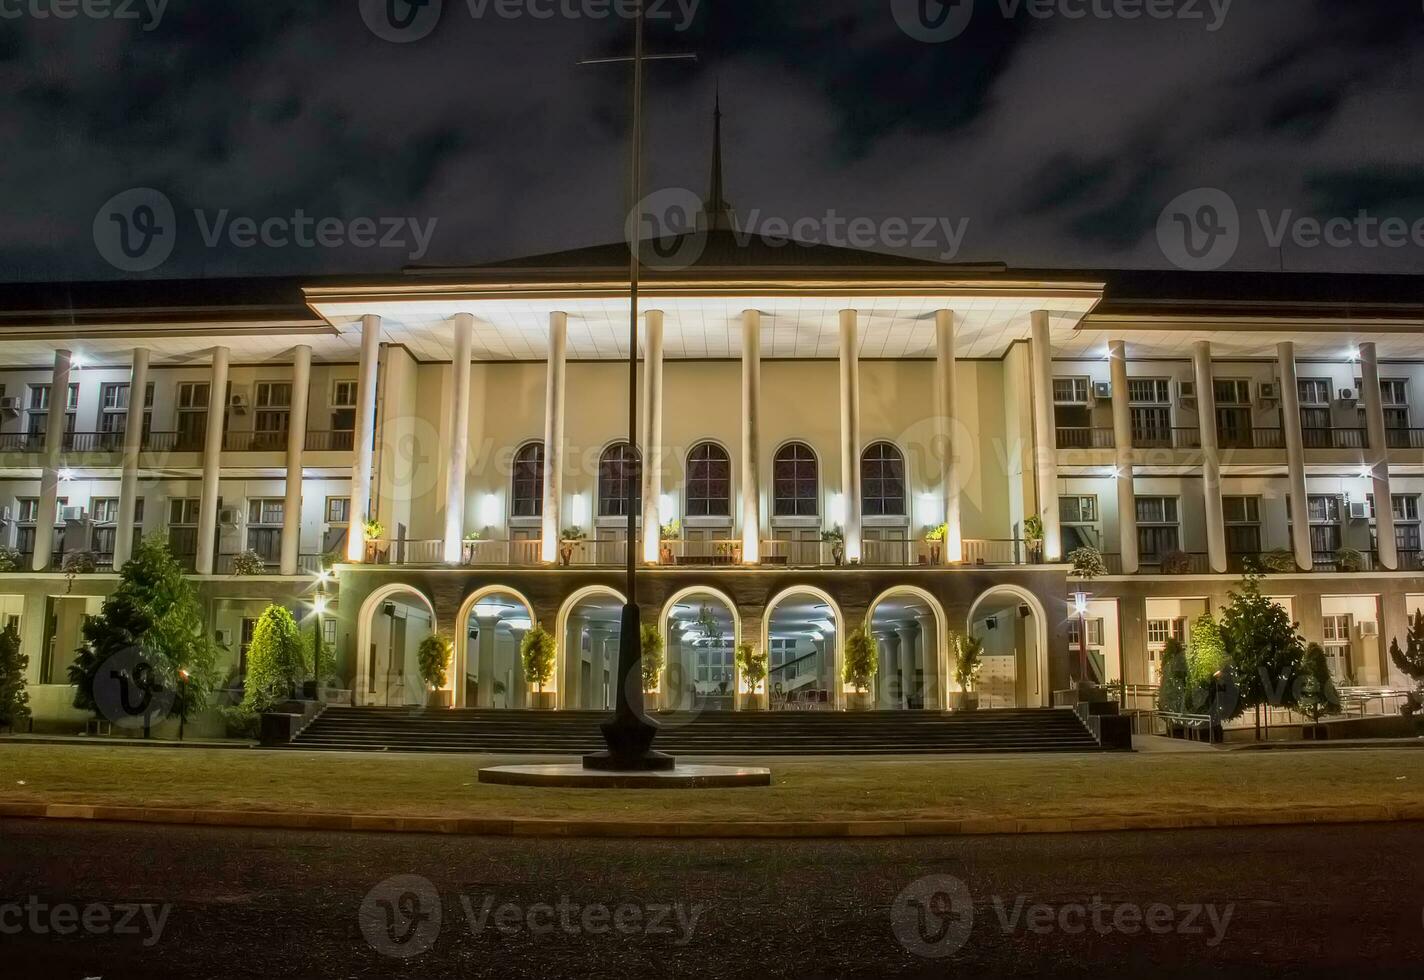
[1011,622]
[488,670]
[910,630]
[588,631]
[393,622]
[701,629]
[802,637]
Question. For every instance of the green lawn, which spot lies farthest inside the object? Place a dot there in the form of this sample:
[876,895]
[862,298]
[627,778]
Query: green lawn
[948,789]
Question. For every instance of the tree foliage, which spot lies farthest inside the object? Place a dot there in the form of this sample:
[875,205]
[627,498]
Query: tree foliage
[276,661]
[1265,649]
[861,660]
[1318,694]
[1206,652]
[968,661]
[651,640]
[1410,660]
[1172,695]
[538,651]
[14,699]
[433,657]
[751,664]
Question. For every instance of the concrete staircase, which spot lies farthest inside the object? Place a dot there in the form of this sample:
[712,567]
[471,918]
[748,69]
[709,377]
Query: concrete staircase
[750,733]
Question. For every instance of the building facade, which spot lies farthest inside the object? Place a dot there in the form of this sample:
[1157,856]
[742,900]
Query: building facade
[808,415]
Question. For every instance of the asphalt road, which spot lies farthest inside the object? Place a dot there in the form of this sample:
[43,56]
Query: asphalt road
[117,901]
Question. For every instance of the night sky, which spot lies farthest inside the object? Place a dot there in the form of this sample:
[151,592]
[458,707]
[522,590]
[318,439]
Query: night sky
[1050,140]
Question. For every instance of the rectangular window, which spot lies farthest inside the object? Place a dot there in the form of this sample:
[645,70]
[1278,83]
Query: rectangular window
[1231,391]
[267,511]
[1149,391]
[192,419]
[1149,410]
[1078,516]
[338,510]
[1070,391]
[1314,391]
[1243,524]
[183,511]
[343,394]
[1158,533]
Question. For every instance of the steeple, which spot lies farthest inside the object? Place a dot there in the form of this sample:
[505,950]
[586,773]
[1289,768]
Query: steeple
[717,214]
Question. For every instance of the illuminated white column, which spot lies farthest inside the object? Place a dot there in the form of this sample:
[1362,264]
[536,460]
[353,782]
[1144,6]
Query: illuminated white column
[934,667]
[484,662]
[363,463]
[571,646]
[1295,456]
[212,464]
[133,448]
[1045,454]
[296,446]
[554,436]
[1379,455]
[54,452]
[1123,459]
[850,430]
[947,413]
[652,434]
[459,435]
[1211,456]
[751,436]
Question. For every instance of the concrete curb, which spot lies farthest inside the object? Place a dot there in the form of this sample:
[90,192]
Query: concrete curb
[748,830]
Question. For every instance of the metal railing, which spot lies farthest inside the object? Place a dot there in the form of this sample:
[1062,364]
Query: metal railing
[93,442]
[522,552]
[173,442]
[254,442]
[1000,551]
[1176,563]
[339,441]
[1345,560]
[1251,439]
[1076,438]
[726,551]
[1404,438]
[1334,439]
[1176,438]
[22,442]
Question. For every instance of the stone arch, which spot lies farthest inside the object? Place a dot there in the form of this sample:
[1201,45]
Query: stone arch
[726,600]
[1038,694]
[372,602]
[942,671]
[837,685]
[462,632]
[561,624]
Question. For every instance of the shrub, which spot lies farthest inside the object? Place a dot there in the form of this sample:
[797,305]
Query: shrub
[1410,660]
[10,560]
[538,651]
[14,699]
[968,661]
[1176,563]
[276,661]
[1281,560]
[1349,560]
[861,660]
[1206,653]
[1265,650]
[374,530]
[1318,694]
[1088,563]
[1172,695]
[651,639]
[433,657]
[751,663]
[573,534]
[78,563]
[248,563]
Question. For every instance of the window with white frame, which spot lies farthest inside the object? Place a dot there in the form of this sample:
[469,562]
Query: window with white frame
[1095,632]
[183,511]
[1233,411]
[264,527]
[1071,391]
[1335,631]
[1158,528]
[1324,518]
[105,511]
[273,414]
[714,661]
[1243,524]
[38,415]
[1314,411]
[1150,410]
[1406,520]
[114,407]
[192,413]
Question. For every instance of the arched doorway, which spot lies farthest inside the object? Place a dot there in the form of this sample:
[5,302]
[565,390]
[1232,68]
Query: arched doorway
[804,631]
[489,672]
[394,621]
[909,629]
[1012,624]
[589,628]
[701,630]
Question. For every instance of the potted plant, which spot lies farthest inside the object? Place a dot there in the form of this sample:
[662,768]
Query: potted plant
[1033,537]
[1176,563]
[1088,563]
[861,663]
[836,537]
[10,560]
[78,563]
[968,662]
[1349,560]
[568,540]
[751,665]
[471,547]
[433,658]
[538,652]
[651,641]
[248,562]
[376,545]
[935,537]
[1281,560]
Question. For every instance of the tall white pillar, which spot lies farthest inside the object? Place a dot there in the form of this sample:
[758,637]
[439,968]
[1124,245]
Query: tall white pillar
[912,652]
[363,463]
[1378,454]
[850,430]
[571,645]
[934,667]
[751,436]
[1045,442]
[296,446]
[459,435]
[1295,456]
[54,453]
[133,448]
[1123,459]
[1211,456]
[484,661]
[652,434]
[554,436]
[212,464]
[947,412]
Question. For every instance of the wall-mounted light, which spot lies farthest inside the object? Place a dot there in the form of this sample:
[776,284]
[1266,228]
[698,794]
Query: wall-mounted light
[837,508]
[1353,353]
[490,510]
[667,508]
[320,605]
[1080,603]
[579,509]
[66,475]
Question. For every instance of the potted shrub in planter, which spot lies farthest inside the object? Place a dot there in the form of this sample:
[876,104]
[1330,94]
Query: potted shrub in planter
[78,563]
[751,665]
[568,540]
[861,663]
[247,563]
[1088,563]
[433,657]
[968,662]
[1176,563]
[376,547]
[935,537]
[1281,560]
[471,547]
[651,641]
[1033,538]
[1349,560]
[667,534]
[537,651]
[836,537]
[10,560]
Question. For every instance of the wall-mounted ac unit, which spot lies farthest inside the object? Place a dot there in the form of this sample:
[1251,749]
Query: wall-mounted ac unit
[229,516]
[67,514]
[1187,392]
[6,515]
[1359,511]
[1268,393]
[1102,391]
[237,403]
[1347,396]
[223,637]
[10,405]
[1369,628]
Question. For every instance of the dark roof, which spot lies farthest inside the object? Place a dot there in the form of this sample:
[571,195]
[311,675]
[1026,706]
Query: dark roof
[1227,294]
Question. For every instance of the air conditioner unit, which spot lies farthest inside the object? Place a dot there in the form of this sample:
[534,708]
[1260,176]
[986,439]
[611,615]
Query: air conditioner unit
[1268,393]
[229,517]
[6,515]
[1359,511]
[1347,396]
[238,403]
[1187,392]
[10,405]
[68,514]
[1102,391]
[1368,628]
[223,637]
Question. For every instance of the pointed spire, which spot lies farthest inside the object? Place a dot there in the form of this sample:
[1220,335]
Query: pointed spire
[717,214]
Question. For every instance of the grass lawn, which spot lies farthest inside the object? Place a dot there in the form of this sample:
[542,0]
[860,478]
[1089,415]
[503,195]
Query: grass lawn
[823,789]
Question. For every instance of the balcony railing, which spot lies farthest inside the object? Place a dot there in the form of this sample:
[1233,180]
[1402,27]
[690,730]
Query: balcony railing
[1404,438]
[173,442]
[1176,563]
[93,442]
[22,442]
[1334,438]
[999,551]
[1251,439]
[1411,561]
[339,441]
[254,442]
[1344,561]
[1073,438]
[1179,438]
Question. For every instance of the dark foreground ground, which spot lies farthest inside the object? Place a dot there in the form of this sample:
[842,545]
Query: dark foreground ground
[1335,901]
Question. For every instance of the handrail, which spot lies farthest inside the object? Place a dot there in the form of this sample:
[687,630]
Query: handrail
[338,441]
[1072,437]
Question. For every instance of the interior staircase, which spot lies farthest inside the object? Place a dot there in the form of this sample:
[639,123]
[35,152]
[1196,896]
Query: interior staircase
[750,733]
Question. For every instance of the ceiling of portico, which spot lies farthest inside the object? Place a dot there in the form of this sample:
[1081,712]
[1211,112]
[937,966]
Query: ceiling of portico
[1313,339]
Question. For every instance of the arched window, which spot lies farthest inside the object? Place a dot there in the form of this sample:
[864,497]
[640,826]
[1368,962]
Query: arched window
[527,497]
[795,487]
[882,481]
[709,481]
[617,467]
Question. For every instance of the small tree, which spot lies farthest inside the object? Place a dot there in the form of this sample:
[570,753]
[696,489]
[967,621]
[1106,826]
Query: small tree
[537,652]
[318,658]
[433,659]
[652,660]
[1087,563]
[1172,695]
[751,664]
[1318,694]
[968,661]
[861,660]
[14,699]
[248,563]
[276,661]
[1265,649]
[1410,660]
